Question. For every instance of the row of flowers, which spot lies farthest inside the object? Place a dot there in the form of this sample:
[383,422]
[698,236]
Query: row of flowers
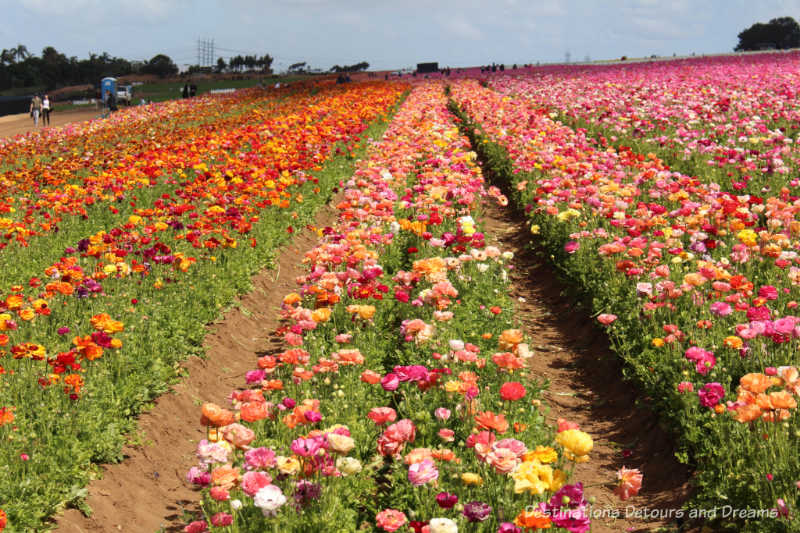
[730,119]
[234,200]
[696,287]
[402,400]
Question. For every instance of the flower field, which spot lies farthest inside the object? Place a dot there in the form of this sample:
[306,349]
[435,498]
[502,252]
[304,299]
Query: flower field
[693,278]
[94,316]
[402,396]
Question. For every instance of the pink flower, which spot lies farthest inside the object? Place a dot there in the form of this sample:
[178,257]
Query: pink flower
[685,386]
[423,472]
[711,394]
[447,435]
[220,494]
[721,309]
[606,318]
[390,382]
[238,435]
[442,413]
[252,482]
[630,481]
[257,458]
[198,526]
[222,519]
[571,247]
[390,519]
[306,447]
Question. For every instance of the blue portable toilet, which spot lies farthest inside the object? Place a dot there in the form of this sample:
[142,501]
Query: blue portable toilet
[106,85]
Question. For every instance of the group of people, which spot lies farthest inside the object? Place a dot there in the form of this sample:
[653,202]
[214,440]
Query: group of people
[189,90]
[40,106]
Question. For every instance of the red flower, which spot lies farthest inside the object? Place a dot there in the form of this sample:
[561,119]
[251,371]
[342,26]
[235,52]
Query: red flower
[512,391]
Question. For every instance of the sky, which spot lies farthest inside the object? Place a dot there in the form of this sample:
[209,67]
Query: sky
[388,34]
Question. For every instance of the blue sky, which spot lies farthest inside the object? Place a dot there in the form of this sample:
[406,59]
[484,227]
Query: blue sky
[389,35]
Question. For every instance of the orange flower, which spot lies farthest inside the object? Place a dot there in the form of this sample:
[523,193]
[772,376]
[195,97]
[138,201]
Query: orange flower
[103,322]
[87,348]
[509,339]
[224,476]
[273,384]
[322,314]
[747,413]
[490,421]
[507,360]
[214,415]
[371,377]
[292,298]
[532,520]
[6,415]
[755,382]
[254,411]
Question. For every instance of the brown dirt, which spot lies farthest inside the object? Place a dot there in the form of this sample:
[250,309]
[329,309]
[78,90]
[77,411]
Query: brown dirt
[11,125]
[148,491]
[586,387]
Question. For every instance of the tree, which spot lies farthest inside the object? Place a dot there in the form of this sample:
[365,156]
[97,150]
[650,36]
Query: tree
[779,33]
[221,65]
[351,68]
[161,65]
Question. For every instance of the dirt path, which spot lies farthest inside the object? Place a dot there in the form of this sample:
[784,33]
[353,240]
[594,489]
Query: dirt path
[586,387]
[148,490]
[11,125]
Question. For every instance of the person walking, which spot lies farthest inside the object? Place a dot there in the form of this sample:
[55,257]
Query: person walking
[46,111]
[36,108]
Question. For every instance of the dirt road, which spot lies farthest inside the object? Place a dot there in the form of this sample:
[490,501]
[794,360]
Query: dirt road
[11,125]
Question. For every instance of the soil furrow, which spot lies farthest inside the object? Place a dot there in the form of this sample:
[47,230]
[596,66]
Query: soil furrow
[586,387]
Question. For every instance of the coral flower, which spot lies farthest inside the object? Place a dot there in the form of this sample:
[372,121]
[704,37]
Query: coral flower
[214,415]
[606,318]
[509,339]
[630,481]
[382,415]
[390,519]
[490,421]
[512,391]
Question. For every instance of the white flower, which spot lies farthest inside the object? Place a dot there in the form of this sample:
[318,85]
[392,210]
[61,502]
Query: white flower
[269,499]
[236,504]
[442,525]
[348,466]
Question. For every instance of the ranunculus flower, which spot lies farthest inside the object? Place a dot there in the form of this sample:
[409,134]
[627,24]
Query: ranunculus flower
[606,318]
[442,525]
[422,473]
[390,519]
[254,481]
[512,391]
[442,413]
[269,499]
[630,481]
[711,394]
[238,435]
[446,500]
[390,382]
[477,511]
[222,519]
[382,415]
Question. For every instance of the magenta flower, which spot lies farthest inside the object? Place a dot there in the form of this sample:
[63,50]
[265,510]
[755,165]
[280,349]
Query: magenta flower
[446,500]
[711,394]
[477,511]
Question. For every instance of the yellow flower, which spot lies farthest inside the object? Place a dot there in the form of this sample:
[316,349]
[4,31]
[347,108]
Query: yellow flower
[288,465]
[658,342]
[452,385]
[559,480]
[578,443]
[470,478]
[533,477]
[543,454]
[748,237]
[323,314]
[535,229]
